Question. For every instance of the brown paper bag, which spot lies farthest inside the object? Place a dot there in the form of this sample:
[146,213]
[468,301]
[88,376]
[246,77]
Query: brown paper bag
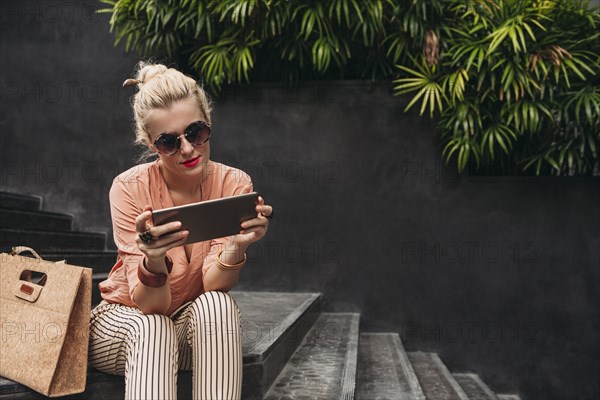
[44,323]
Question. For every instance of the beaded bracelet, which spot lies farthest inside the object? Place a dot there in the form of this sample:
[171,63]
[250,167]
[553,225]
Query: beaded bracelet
[229,267]
[152,279]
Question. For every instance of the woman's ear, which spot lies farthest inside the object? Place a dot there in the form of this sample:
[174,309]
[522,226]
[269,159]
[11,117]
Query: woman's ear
[150,145]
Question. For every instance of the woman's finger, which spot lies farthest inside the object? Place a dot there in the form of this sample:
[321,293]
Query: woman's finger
[176,243]
[265,210]
[160,230]
[257,229]
[141,221]
[255,221]
[167,240]
[260,207]
[161,250]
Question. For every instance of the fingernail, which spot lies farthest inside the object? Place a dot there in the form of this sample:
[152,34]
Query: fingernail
[184,233]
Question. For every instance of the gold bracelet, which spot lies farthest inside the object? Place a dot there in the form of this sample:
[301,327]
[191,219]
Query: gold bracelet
[229,267]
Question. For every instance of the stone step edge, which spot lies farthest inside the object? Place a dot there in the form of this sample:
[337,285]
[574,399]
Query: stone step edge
[99,276]
[509,397]
[455,385]
[405,363]
[75,233]
[351,361]
[489,392]
[38,212]
[446,373]
[348,377]
[408,369]
[263,348]
[27,197]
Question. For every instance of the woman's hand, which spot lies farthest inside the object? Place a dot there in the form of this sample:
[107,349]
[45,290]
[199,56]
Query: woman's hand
[156,250]
[254,229]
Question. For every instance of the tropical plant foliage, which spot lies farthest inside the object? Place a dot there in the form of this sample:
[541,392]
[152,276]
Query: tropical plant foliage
[233,41]
[517,84]
[514,84]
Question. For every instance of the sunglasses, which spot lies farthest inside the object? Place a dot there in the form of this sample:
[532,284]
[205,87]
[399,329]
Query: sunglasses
[197,133]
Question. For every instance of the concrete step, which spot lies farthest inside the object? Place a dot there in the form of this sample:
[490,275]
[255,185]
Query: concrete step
[474,387]
[97,382]
[48,241]
[324,366]
[34,220]
[384,371]
[273,326]
[20,201]
[509,397]
[435,379]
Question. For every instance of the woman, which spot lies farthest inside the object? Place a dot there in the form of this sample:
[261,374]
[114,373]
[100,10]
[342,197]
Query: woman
[165,305]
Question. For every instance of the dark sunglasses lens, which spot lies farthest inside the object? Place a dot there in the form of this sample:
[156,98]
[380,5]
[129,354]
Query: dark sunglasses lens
[197,134]
[166,144]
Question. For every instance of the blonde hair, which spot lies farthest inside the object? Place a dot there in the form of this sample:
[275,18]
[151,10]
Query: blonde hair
[160,87]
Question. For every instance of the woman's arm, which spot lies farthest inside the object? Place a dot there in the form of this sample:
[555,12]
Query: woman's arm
[217,279]
[153,300]
[128,222]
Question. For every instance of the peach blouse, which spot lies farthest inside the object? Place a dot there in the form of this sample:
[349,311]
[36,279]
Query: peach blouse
[144,185]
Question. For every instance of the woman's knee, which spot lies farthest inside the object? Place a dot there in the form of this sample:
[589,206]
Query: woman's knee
[215,313]
[151,328]
[221,302]
[215,307]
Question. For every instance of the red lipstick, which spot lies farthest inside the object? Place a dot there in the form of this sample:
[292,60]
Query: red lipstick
[192,162]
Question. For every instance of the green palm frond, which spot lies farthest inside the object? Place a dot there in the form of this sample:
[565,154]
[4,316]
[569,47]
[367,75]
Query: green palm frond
[584,104]
[424,82]
[463,148]
[497,135]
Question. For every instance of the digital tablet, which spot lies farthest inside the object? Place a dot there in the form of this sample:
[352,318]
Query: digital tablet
[210,219]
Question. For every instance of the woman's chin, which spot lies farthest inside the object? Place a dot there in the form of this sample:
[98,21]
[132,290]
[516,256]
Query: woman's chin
[194,169]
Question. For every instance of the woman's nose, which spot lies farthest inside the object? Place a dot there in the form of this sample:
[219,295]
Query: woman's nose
[186,147]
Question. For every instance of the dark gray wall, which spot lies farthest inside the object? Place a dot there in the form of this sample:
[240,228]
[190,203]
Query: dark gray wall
[499,275]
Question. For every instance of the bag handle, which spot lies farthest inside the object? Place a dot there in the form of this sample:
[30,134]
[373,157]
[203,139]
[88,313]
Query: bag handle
[25,289]
[20,249]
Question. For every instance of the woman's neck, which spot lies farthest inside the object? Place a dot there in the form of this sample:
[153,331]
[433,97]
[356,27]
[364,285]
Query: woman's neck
[190,189]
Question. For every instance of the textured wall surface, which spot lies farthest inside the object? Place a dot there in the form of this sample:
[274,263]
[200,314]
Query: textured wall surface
[499,275]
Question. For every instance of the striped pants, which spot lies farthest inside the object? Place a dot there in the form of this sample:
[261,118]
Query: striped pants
[203,336]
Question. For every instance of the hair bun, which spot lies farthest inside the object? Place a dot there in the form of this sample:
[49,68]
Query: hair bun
[147,71]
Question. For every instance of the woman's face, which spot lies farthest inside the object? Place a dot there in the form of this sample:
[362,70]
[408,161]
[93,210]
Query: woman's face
[188,161]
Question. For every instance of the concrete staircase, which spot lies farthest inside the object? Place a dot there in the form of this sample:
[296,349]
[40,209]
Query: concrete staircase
[292,349]
[24,223]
